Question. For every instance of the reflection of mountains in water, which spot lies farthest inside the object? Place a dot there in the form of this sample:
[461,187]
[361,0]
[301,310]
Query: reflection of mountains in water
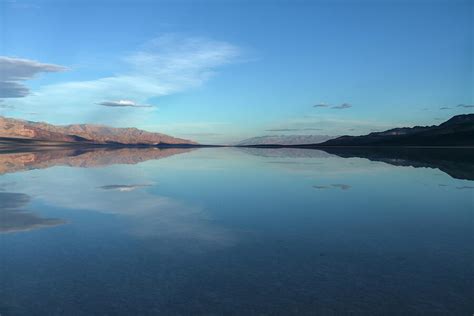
[18,161]
[456,162]
[15,219]
[285,152]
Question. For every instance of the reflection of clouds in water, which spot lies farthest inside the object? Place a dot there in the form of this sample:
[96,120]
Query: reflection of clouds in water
[286,152]
[5,185]
[313,162]
[464,187]
[123,187]
[457,163]
[340,186]
[163,219]
[13,200]
[328,167]
[320,187]
[183,226]
[15,219]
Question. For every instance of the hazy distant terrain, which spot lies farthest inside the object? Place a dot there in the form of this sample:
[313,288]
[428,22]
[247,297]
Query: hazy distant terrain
[457,131]
[285,140]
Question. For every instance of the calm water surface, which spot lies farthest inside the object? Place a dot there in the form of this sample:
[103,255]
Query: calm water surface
[233,232]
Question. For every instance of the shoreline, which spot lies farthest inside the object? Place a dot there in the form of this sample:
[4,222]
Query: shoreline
[24,144]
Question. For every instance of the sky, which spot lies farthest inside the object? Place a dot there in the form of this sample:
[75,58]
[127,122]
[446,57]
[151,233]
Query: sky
[222,71]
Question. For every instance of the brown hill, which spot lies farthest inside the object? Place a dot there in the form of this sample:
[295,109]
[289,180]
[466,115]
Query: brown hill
[87,133]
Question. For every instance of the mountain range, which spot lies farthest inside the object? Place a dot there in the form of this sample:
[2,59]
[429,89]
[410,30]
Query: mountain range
[457,131]
[284,140]
[15,129]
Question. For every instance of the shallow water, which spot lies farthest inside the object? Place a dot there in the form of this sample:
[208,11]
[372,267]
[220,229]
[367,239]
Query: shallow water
[235,232]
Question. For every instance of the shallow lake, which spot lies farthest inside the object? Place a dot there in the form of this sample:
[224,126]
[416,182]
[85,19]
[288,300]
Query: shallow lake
[229,231]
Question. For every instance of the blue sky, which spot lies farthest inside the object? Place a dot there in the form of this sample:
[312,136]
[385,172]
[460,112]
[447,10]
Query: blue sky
[221,71]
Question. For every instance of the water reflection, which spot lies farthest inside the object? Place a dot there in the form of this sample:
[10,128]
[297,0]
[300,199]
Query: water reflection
[123,187]
[465,187]
[15,218]
[86,158]
[285,152]
[164,216]
[339,186]
[456,162]
[116,190]
[219,231]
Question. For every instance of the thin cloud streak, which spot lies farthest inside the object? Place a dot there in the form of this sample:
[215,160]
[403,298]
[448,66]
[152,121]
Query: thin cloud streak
[337,107]
[124,103]
[342,106]
[332,125]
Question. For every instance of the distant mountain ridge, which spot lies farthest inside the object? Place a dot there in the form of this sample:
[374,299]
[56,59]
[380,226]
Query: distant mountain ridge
[83,133]
[457,131]
[284,140]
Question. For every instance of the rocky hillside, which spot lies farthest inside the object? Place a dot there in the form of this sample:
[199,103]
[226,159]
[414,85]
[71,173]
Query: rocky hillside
[87,133]
[457,131]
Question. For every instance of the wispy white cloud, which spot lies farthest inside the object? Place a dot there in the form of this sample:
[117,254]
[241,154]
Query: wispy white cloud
[166,65]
